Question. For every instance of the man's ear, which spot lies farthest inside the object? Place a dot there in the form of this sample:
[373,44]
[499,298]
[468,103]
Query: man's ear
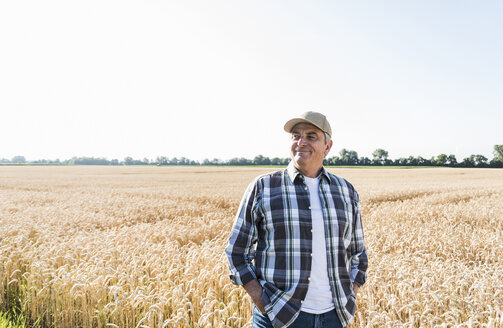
[328,147]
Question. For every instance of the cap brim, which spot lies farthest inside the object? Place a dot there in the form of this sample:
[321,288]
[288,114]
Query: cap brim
[294,121]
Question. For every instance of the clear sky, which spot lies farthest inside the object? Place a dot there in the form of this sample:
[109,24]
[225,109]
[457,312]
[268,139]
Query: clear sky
[218,79]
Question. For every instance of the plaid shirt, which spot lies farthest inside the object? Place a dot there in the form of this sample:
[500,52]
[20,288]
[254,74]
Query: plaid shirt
[275,215]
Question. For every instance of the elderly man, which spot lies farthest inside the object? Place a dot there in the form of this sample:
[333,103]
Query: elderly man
[297,242]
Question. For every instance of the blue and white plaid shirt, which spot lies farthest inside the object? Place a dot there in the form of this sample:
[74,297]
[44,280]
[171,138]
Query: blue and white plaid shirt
[271,241]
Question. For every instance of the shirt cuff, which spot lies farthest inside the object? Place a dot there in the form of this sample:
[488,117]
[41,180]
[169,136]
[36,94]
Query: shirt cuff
[241,277]
[358,277]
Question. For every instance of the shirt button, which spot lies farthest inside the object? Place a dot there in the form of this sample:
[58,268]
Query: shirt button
[309,207]
[311,254]
[311,230]
[309,278]
[305,188]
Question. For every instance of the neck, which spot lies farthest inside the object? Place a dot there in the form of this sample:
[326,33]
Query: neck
[309,172]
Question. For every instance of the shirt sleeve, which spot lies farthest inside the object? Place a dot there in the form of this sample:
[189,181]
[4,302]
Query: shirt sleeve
[240,249]
[359,260]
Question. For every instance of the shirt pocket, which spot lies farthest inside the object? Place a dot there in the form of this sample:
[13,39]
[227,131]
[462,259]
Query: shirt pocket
[344,222]
[274,215]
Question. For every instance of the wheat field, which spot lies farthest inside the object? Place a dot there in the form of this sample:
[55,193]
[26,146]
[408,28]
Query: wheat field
[143,246]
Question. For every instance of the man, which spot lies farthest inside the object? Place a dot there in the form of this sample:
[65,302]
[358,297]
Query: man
[297,242]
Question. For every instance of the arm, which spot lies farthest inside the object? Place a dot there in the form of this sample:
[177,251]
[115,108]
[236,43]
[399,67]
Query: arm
[254,289]
[359,260]
[240,249]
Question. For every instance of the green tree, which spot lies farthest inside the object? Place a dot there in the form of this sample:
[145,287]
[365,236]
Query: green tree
[261,160]
[451,160]
[335,160]
[88,161]
[411,160]
[480,160]
[214,161]
[498,153]
[276,161]
[380,156]
[348,157]
[423,161]
[161,160]
[233,161]
[18,159]
[441,159]
[468,161]
[364,161]
[495,163]
[402,161]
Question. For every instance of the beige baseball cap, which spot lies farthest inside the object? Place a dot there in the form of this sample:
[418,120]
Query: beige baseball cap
[317,119]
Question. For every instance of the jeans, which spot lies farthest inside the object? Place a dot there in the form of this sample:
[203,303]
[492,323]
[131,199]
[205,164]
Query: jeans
[304,320]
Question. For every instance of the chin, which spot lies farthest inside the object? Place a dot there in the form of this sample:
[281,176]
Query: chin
[300,160]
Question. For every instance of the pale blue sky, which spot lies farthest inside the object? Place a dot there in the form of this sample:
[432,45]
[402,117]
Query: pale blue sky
[205,79]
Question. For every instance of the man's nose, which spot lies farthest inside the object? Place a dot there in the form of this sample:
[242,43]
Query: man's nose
[301,141]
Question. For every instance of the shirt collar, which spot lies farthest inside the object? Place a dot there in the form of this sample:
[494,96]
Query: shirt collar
[293,172]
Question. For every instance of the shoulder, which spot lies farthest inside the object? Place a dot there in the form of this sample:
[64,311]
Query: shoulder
[269,178]
[263,184]
[344,185]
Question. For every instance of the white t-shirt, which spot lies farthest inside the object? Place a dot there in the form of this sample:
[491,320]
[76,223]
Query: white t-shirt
[319,297]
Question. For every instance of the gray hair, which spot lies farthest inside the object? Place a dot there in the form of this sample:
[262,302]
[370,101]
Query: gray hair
[327,137]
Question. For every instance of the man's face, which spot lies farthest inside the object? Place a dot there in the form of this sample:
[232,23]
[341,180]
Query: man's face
[308,147]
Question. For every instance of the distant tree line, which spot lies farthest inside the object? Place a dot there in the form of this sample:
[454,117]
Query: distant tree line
[346,157]
[380,158]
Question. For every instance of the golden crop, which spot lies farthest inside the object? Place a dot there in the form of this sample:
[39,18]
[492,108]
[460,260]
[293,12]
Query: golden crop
[143,246]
